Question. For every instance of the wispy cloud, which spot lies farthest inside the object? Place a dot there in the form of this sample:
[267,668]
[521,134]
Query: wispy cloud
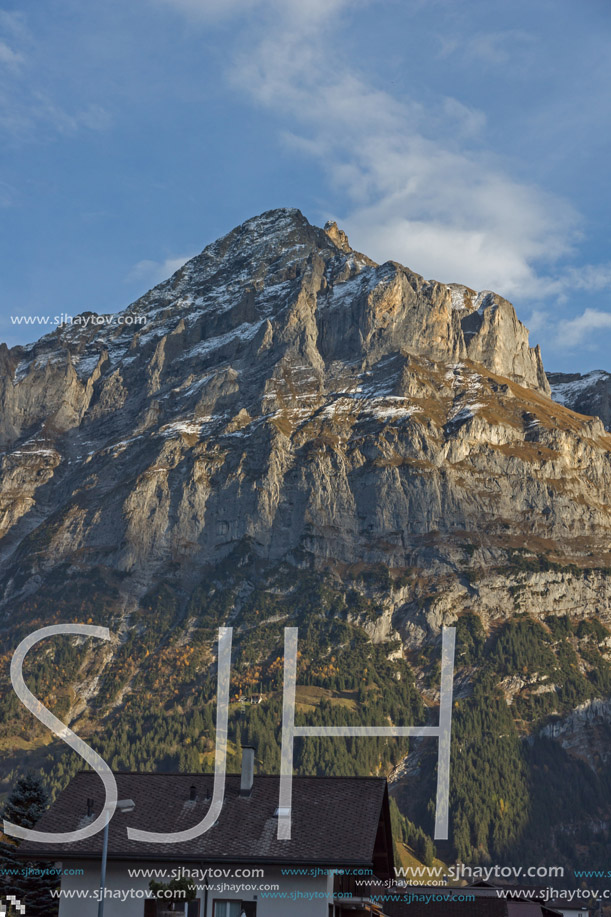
[9,57]
[28,108]
[495,48]
[210,9]
[13,24]
[13,39]
[420,192]
[7,194]
[574,332]
[312,11]
[566,281]
[421,186]
[566,334]
[154,272]
[591,277]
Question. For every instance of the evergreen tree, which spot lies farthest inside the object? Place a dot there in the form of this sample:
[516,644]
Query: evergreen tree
[29,882]
[424,847]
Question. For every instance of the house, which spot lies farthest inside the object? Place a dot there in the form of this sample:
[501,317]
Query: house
[239,866]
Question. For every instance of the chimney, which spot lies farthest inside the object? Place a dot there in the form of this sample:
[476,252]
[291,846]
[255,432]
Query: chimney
[248,770]
[193,793]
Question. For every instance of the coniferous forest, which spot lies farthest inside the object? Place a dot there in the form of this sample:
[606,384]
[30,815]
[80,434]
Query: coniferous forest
[154,707]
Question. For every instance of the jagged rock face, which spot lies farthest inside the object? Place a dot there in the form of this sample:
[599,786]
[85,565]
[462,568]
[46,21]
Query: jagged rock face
[289,392]
[587,394]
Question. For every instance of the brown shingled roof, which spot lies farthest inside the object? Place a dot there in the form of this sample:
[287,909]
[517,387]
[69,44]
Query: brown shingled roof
[335,820]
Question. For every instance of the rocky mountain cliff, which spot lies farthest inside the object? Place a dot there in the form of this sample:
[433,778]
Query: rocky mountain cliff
[283,406]
[287,390]
[586,394]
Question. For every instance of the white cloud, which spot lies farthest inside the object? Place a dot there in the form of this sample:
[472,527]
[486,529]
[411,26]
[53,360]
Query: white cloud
[470,121]
[8,56]
[28,108]
[26,113]
[447,216]
[419,190]
[539,320]
[496,48]
[94,117]
[591,277]
[308,12]
[419,194]
[155,272]
[588,278]
[7,195]
[582,330]
[210,9]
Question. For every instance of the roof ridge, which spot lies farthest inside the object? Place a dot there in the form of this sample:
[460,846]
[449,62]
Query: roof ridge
[92,773]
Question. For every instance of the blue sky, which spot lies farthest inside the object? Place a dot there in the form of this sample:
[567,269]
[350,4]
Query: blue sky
[469,140]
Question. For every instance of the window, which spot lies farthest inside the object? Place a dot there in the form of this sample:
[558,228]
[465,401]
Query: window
[153,908]
[226,908]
